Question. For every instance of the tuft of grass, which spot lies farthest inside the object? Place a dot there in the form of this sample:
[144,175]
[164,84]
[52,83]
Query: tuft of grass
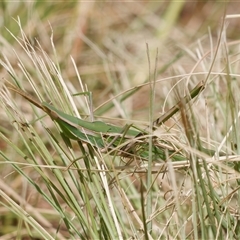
[180,176]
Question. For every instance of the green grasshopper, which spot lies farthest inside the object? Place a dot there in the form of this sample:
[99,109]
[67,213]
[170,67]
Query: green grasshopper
[106,136]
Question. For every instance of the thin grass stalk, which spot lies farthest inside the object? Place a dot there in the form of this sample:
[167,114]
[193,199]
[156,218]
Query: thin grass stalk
[149,173]
[110,203]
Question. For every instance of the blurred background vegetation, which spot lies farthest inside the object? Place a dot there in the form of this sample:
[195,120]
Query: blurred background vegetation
[108,40]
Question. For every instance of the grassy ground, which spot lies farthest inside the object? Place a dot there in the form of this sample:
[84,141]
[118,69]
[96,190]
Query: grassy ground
[120,63]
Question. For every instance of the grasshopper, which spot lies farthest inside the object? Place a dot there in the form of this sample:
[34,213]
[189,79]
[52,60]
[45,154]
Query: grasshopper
[106,136]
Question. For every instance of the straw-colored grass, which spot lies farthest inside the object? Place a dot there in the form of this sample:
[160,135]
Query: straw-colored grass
[133,65]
